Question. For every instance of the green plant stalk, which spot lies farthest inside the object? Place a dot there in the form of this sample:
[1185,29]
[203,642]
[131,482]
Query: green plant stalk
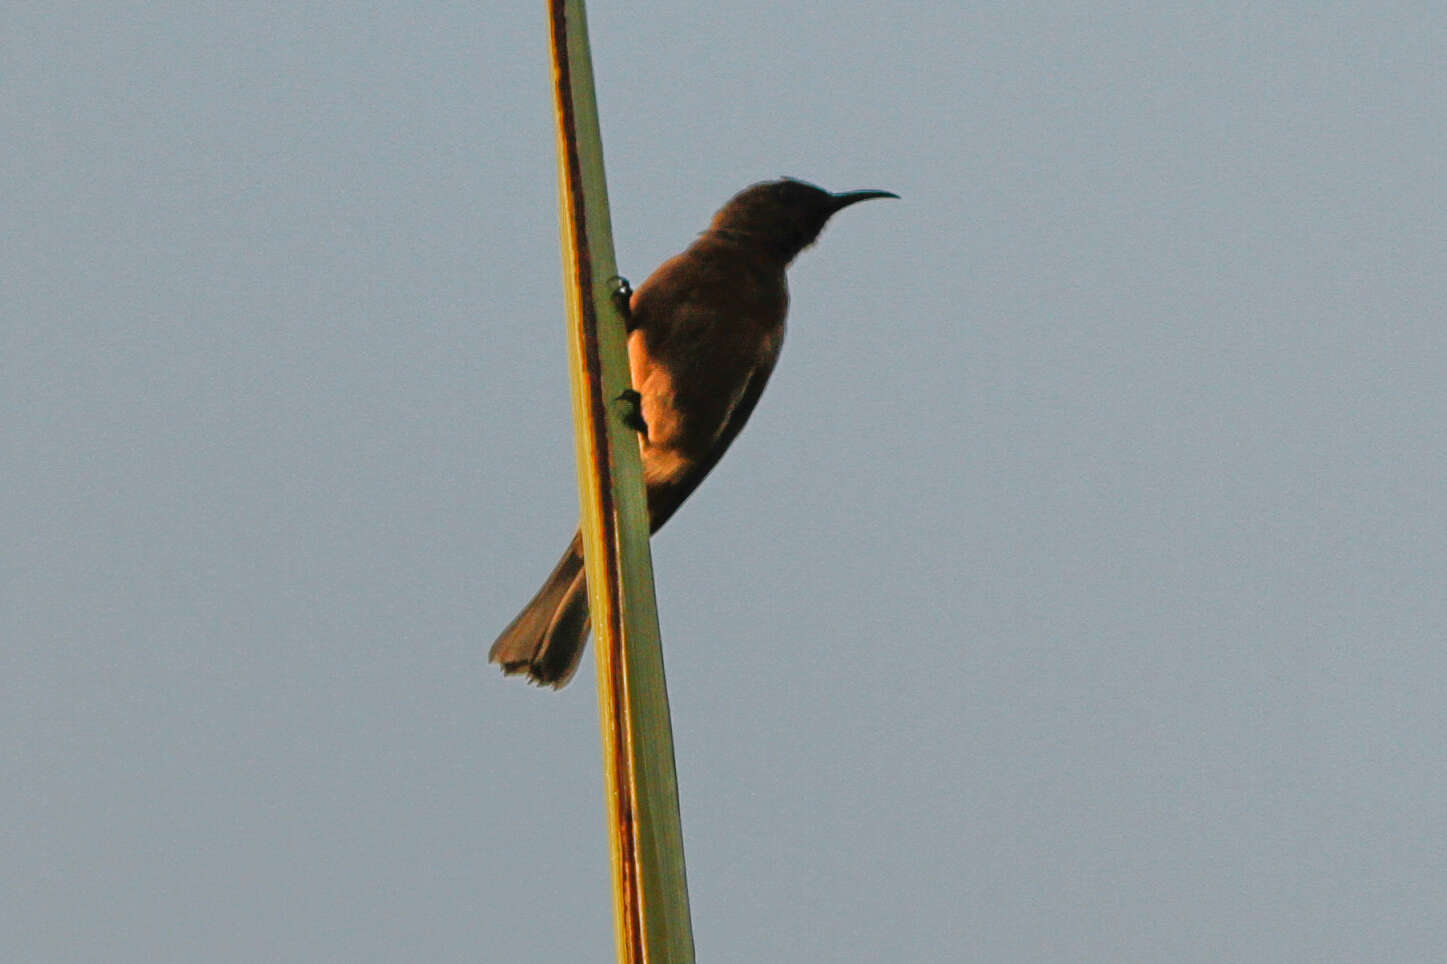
[650,888]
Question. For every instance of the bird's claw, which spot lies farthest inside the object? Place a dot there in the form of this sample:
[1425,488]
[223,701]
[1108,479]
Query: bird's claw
[633,413]
[623,298]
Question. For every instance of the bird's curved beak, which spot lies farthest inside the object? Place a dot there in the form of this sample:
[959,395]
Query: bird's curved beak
[846,198]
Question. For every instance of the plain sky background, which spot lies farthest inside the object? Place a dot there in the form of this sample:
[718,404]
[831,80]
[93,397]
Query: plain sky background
[1076,592]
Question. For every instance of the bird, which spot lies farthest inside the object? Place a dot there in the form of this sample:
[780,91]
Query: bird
[704,333]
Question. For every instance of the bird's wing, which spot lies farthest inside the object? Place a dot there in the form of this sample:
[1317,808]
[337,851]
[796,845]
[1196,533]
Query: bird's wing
[664,500]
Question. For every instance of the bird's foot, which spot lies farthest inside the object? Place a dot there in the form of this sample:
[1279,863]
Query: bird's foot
[633,412]
[623,299]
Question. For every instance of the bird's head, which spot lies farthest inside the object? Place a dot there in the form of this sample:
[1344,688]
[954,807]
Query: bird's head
[783,216]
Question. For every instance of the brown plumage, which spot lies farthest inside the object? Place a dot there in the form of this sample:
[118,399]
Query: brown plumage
[704,333]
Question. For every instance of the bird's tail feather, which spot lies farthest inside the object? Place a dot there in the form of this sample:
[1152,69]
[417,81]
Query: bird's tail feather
[546,639]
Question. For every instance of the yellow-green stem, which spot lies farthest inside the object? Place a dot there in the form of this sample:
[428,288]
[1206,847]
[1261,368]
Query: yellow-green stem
[650,889]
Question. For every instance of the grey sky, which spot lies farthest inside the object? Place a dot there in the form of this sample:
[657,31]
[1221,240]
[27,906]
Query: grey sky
[1075,593]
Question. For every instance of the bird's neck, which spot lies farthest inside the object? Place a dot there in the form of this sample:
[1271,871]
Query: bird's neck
[758,246]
